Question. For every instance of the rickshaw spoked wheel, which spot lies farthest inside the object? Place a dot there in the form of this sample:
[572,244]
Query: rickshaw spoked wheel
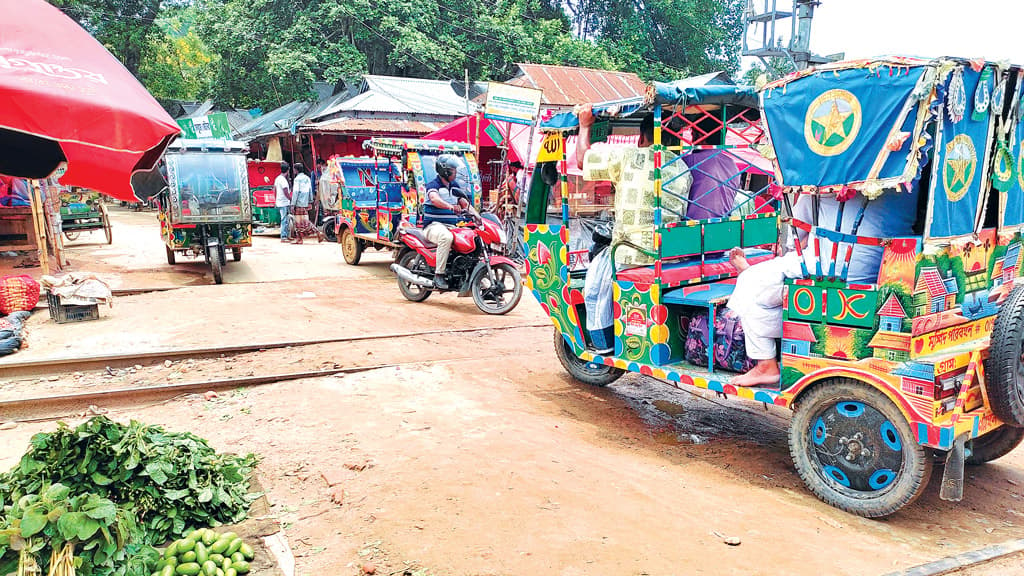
[1004,367]
[415,263]
[855,450]
[351,247]
[107,230]
[72,235]
[995,444]
[582,370]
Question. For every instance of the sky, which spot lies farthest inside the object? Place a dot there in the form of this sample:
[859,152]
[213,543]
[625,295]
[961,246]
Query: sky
[992,29]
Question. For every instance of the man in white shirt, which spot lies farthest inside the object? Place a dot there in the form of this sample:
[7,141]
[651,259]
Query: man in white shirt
[283,198]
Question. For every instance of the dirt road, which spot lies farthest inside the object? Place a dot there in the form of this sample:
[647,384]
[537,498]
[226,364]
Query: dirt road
[477,455]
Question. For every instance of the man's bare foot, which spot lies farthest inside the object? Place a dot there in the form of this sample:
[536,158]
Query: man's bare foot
[738,259]
[765,372]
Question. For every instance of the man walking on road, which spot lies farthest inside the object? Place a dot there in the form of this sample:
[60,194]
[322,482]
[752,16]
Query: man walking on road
[283,198]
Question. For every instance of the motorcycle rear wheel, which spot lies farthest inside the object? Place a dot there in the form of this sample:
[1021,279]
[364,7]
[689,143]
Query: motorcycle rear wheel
[415,263]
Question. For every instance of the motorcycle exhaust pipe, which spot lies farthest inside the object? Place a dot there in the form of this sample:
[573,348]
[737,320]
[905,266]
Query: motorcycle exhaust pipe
[408,276]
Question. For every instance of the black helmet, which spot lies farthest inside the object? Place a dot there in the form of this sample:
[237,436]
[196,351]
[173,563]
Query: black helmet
[447,166]
[602,233]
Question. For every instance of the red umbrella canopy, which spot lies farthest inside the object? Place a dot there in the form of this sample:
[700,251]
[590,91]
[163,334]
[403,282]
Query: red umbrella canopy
[63,96]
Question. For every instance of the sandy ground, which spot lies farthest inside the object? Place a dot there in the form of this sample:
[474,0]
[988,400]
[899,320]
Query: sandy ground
[476,454]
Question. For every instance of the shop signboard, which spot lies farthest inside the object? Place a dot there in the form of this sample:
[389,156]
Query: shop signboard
[513,104]
[211,126]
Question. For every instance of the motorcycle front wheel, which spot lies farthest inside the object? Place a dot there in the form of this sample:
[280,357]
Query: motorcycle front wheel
[501,295]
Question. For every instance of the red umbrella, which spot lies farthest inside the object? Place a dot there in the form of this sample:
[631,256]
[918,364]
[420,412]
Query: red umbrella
[64,97]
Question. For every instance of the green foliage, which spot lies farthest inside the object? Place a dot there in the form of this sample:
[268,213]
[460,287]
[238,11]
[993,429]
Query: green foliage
[100,534]
[168,482]
[178,65]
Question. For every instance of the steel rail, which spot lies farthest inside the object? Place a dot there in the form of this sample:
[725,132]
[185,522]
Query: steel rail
[75,364]
[43,408]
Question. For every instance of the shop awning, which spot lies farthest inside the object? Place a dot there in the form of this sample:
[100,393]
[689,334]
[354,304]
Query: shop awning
[63,96]
[492,134]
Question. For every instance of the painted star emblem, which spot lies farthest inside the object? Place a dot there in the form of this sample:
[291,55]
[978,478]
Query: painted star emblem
[960,167]
[834,123]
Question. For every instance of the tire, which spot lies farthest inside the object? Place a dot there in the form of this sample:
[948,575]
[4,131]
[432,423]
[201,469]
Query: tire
[495,299]
[844,418]
[1004,368]
[218,269]
[170,254]
[328,229]
[107,231]
[72,235]
[580,369]
[995,444]
[412,261]
[351,247]
[236,254]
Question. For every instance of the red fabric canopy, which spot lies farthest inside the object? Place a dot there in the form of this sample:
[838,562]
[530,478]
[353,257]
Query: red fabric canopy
[57,82]
[456,132]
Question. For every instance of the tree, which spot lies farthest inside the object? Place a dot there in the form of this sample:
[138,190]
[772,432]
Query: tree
[125,27]
[178,64]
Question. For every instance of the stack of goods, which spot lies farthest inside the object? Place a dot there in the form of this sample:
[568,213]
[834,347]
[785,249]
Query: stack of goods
[76,297]
[18,296]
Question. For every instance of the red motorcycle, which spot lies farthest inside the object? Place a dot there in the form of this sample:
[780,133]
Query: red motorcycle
[492,280]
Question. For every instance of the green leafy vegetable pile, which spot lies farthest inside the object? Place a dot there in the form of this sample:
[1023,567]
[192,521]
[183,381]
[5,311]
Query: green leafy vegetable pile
[65,525]
[169,482]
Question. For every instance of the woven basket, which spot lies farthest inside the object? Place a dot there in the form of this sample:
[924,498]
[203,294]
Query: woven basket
[18,293]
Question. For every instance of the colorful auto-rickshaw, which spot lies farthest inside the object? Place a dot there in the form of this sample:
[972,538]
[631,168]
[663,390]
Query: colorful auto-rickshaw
[83,210]
[205,208]
[883,377]
[263,200]
[376,192]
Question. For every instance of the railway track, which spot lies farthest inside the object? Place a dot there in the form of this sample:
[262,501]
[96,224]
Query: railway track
[53,366]
[51,407]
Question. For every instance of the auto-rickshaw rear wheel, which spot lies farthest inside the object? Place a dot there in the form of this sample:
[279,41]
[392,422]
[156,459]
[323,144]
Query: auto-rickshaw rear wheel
[1004,367]
[351,247]
[236,254]
[855,450]
[587,372]
[995,444]
[170,254]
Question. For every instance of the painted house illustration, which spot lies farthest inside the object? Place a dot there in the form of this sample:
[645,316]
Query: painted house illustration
[933,293]
[797,338]
[891,315]
[1006,267]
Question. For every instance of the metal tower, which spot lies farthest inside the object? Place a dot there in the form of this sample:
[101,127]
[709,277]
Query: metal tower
[771,32]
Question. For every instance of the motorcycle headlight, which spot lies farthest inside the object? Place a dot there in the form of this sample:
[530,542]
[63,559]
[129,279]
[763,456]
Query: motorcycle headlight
[502,237]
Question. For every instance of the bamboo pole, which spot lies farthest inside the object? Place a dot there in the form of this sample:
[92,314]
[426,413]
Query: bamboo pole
[40,225]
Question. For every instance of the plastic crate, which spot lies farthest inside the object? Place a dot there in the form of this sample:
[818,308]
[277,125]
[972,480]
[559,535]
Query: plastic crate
[62,314]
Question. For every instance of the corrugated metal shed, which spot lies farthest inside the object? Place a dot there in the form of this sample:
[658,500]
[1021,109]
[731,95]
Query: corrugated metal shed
[276,121]
[401,96]
[567,86]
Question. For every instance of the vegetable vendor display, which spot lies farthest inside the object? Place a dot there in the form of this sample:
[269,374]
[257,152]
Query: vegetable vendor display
[206,552]
[113,490]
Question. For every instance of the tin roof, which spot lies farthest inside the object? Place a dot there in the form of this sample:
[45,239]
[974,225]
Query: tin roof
[566,85]
[402,95]
[373,125]
[276,121]
[932,281]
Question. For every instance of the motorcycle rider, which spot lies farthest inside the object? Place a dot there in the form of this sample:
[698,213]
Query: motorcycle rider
[445,203]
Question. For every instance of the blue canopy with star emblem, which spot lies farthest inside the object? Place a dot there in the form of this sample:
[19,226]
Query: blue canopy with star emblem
[851,124]
[959,169]
[1012,201]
